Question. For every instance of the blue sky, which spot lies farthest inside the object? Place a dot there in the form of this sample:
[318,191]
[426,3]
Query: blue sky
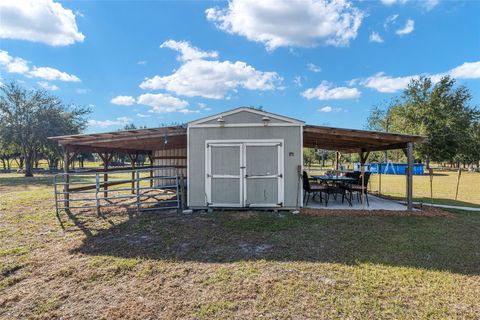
[159,62]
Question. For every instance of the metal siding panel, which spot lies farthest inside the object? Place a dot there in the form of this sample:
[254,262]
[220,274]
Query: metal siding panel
[245,117]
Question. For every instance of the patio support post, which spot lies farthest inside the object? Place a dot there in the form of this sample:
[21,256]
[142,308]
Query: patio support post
[410,176]
[106,157]
[337,158]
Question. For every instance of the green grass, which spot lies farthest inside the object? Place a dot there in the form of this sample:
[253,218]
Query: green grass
[224,265]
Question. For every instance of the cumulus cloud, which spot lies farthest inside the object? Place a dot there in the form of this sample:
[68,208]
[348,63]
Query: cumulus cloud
[21,66]
[408,28]
[375,37]
[48,73]
[302,23]
[123,100]
[162,103]
[47,86]
[141,115]
[43,21]
[188,52]
[325,91]
[211,78]
[313,68]
[120,121]
[430,4]
[388,84]
[203,106]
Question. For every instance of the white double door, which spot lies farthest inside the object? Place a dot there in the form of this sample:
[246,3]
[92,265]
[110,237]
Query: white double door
[244,173]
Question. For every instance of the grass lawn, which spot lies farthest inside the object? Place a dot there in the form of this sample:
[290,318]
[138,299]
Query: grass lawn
[244,265]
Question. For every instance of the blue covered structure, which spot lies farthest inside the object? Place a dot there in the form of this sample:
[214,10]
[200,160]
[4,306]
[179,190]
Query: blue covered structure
[391,168]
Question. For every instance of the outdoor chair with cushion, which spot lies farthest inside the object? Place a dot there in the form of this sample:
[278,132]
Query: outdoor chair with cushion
[311,189]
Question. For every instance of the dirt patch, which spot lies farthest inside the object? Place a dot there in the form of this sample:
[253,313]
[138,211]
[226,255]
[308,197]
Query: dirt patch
[420,212]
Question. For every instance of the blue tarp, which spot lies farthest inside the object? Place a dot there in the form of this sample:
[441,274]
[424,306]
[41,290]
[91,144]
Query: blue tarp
[391,168]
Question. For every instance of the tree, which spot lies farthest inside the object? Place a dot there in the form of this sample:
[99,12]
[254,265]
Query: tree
[440,111]
[29,117]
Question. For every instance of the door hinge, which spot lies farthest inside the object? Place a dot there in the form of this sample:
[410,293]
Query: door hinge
[280,175]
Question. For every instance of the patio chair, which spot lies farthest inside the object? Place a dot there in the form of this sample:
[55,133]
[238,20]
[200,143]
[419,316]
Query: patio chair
[311,188]
[357,187]
[334,189]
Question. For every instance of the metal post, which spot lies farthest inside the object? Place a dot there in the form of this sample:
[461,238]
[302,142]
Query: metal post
[97,189]
[138,191]
[182,191]
[410,176]
[66,185]
[56,193]
[458,181]
[379,179]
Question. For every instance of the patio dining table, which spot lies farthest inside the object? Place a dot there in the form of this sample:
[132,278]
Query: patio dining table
[333,187]
[334,178]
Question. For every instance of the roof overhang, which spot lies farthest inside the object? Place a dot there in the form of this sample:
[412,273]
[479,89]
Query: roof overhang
[129,141]
[352,141]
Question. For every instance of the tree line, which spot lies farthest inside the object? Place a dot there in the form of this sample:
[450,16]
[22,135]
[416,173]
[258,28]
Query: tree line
[440,111]
[27,118]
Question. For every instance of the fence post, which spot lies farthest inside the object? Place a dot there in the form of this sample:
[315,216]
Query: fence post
[182,191]
[97,189]
[458,181]
[138,190]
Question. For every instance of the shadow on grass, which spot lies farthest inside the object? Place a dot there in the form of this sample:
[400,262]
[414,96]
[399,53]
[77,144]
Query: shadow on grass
[449,244]
[39,179]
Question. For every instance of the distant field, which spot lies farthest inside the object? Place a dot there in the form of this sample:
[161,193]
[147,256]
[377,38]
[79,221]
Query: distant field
[444,186]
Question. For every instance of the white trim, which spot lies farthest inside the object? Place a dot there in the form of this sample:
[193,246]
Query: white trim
[188,167]
[251,110]
[300,184]
[243,125]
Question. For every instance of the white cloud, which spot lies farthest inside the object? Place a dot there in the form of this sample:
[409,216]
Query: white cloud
[297,81]
[326,109]
[39,21]
[430,4]
[409,27]
[142,62]
[123,100]
[21,66]
[211,78]
[313,68]
[468,70]
[390,20]
[392,2]
[47,86]
[120,121]
[141,115]
[48,73]
[375,37]
[162,103]
[325,91]
[203,106]
[387,84]
[187,52]
[303,23]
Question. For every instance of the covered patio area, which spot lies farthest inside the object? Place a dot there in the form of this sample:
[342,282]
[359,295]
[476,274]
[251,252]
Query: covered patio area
[361,142]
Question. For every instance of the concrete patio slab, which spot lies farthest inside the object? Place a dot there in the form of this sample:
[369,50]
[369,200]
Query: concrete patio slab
[376,203]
